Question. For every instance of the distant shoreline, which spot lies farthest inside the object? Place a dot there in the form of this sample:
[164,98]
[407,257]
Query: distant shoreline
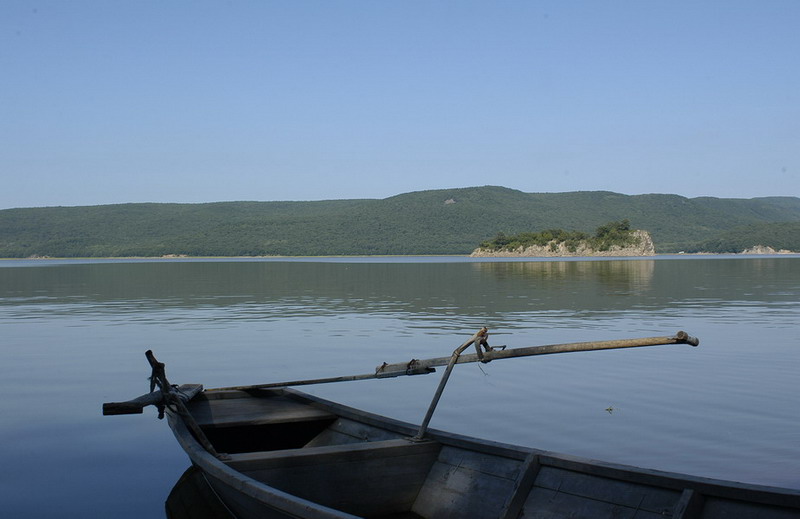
[475,259]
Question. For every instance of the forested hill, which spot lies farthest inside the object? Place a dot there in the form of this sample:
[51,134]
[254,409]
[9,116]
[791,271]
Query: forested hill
[449,221]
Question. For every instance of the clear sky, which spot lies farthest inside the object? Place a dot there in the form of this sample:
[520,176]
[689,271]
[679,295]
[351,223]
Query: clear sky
[198,101]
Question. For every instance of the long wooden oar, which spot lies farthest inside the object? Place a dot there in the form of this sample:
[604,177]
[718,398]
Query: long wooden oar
[425,366]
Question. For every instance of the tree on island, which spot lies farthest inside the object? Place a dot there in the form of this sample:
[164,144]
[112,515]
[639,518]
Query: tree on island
[606,236]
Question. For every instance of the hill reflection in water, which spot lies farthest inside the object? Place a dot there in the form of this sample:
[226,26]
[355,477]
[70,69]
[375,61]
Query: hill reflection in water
[492,292]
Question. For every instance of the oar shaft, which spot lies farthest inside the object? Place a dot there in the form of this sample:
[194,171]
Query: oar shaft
[306,382]
[679,338]
[424,366]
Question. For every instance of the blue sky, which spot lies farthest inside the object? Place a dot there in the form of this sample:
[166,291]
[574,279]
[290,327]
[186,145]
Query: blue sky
[196,101]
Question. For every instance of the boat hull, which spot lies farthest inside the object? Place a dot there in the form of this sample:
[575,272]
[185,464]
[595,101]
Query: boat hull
[289,454]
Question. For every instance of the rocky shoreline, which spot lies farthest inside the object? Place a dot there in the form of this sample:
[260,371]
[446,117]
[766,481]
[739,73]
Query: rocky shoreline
[762,249]
[643,247]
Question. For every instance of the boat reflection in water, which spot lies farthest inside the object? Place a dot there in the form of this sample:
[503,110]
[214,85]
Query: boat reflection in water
[193,498]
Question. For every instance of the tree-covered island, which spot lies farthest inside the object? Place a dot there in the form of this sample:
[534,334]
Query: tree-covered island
[612,238]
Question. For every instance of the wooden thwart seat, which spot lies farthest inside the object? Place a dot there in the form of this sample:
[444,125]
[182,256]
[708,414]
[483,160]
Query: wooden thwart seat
[230,411]
[365,479]
[330,454]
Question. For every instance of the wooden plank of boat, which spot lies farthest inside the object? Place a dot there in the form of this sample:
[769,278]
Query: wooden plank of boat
[137,405]
[252,411]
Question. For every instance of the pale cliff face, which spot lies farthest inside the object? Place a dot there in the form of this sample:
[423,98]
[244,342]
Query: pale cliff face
[645,247]
[762,249]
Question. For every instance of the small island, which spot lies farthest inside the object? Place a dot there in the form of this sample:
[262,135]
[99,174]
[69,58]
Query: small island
[611,239]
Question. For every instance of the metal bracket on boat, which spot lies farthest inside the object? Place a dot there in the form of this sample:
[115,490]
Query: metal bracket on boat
[479,339]
[412,367]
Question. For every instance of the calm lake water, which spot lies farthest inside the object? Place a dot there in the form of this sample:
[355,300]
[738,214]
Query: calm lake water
[74,333]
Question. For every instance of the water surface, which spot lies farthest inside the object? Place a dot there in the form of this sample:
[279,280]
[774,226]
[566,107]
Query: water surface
[74,335]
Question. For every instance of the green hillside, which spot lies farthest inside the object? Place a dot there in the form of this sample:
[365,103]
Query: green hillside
[449,221]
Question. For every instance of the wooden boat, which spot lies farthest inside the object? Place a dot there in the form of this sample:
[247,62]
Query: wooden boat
[275,452]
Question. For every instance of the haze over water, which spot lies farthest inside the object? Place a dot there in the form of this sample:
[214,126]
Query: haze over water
[74,334]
